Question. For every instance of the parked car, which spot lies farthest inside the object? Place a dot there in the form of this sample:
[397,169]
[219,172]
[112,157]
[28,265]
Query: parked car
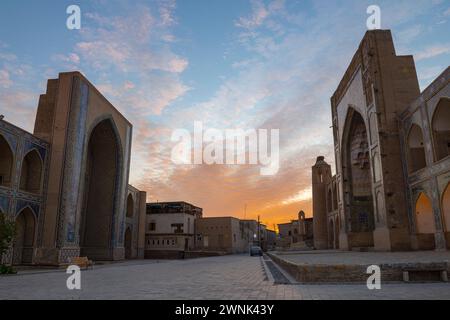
[256,251]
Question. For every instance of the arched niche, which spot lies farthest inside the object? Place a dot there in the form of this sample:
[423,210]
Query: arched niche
[416,149]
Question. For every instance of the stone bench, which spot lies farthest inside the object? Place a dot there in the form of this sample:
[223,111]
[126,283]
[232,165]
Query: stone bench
[425,270]
[82,262]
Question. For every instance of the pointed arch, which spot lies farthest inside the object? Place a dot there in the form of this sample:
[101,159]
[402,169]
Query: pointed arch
[424,219]
[24,242]
[416,149]
[31,172]
[130,206]
[6,162]
[441,129]
[357,180]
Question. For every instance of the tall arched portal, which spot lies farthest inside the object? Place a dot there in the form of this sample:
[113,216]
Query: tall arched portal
[424,218]
[6,163]
[358,182]
[24,239]
[100,192]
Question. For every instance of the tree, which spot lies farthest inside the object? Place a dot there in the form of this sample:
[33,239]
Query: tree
[7,233]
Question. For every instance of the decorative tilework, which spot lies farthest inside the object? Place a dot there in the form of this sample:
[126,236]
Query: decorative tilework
[73,160]
[28,146]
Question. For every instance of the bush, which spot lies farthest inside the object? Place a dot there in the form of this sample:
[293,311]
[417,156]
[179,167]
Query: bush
[7,269]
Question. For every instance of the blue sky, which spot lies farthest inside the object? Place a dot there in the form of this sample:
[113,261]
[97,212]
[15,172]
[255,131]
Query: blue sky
[234,63]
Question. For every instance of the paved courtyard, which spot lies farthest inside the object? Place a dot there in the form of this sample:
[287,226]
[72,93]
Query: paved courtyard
[228,277]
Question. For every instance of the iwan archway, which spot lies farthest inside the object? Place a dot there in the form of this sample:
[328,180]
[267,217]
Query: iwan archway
[357,182]
[102,170]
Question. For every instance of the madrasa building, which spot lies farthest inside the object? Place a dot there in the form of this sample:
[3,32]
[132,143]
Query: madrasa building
[392,154]
[66,184]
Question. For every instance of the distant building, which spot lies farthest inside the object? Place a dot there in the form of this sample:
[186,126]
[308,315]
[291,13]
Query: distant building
[224,234]
[251,231]
[170,229]
[297,233]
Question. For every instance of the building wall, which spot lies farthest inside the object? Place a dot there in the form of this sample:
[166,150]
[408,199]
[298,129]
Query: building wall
[170,231]
[224,234]
[296,233]
[135,215]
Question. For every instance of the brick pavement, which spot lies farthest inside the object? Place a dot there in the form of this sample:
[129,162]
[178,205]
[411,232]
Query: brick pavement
[237,277]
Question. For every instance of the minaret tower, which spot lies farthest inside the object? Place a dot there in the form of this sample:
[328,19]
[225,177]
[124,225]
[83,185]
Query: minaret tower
[321,177]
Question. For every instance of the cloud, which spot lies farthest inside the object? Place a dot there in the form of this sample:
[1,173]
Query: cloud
[257,17]
[432,52]
[19,107]
[284,63]
[5,80]
[447,13]
[131,43]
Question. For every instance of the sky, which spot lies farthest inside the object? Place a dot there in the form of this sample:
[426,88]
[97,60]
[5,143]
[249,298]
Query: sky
[165,64]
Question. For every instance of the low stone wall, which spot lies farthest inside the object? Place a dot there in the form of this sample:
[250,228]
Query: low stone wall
[322,273]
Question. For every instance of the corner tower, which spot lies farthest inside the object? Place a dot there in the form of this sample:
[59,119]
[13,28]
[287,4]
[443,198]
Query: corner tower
[321,177]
